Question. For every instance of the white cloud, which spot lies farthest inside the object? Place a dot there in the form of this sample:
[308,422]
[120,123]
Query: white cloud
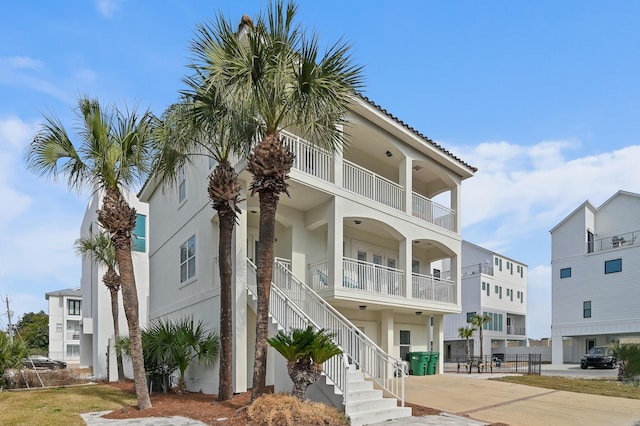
[22,62]
[15,131]
[20,71]
[108,7]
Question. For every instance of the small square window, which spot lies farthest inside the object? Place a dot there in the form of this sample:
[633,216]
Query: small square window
[611,266]
[470,315]
[565,273]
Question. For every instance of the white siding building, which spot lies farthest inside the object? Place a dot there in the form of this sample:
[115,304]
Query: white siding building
[595,261]
[495,285]
[97,320]
[359,231]
[65,316]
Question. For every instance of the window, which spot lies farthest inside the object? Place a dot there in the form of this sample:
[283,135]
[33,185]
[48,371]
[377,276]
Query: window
[586,309]
[139,236]
[590,242]
[500,292]
[73,307]
[484,286]
[188,259]
[496,290]
[58,327]
[73,350]
[470,315]
[436,273]
[405,343]
[611,266]
[182,185]
[565,273]
[488,289]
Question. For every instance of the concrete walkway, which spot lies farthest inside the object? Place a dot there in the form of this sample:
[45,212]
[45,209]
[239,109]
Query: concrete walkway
[470,396]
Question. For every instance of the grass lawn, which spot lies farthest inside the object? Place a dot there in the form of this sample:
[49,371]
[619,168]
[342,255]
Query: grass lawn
[604,387]
[59,406]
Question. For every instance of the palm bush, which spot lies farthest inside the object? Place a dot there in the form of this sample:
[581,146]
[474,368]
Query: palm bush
[305,351]
[172,345]
[11,352]
[629,357]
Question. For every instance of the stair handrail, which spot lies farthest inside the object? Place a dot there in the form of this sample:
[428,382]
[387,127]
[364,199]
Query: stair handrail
[381,367]
[336,368]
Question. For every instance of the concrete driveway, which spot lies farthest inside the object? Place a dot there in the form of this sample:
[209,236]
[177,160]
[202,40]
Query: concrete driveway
[574,370]
[490,401]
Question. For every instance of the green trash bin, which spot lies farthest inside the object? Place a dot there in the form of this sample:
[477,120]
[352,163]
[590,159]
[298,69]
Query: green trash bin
[418,362]
[433,363]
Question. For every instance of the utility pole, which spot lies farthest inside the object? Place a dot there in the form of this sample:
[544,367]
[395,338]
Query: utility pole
[9,317]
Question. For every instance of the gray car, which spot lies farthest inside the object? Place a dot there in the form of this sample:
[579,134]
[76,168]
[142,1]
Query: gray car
[41,361]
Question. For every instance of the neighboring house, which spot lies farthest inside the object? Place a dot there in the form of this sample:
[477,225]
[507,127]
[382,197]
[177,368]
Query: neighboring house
[491,284]
[359,231]
[65,317]
[595,265]
[97,320]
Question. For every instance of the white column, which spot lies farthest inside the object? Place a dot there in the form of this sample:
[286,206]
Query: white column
[338,159]
[334,244]
[407,183]
[456,201]
[239,280]
[386,334]
[404,263]
[557,349]
[438,341]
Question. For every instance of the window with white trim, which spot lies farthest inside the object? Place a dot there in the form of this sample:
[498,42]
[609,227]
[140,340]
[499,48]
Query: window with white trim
[188,259]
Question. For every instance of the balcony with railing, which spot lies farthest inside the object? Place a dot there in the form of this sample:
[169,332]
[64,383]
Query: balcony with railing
[318,162]
[477,269]
[611,242]
[516,331]
[360,276]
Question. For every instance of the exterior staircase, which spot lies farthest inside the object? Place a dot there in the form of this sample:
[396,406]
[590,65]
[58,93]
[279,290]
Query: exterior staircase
[355,382]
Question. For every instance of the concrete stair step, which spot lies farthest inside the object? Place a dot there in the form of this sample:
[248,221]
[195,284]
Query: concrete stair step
[357,407]
[364,394]
[379,416]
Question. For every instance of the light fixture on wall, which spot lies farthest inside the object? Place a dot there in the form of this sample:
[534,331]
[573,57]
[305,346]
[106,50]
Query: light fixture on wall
[363,307]
[419,313]
[389,154]
[254,211]
[417,167]
[357,221]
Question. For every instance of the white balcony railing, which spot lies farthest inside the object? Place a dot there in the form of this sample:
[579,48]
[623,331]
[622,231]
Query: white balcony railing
[372,278]
[372,186]
[427,210]
[308,158]
[319,162]
[428,287]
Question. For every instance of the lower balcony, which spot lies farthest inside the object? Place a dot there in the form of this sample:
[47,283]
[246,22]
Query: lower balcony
[366,277]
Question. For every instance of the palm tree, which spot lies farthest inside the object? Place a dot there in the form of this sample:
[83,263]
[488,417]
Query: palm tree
[305,351]
[202,124]
[99,248]
[113,153]
[274,70]
[478,321]
[11,353]
[171,345]
[466,333]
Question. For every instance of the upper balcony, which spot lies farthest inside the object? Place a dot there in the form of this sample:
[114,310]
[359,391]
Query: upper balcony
[477,269]
[322,164]
[613,242]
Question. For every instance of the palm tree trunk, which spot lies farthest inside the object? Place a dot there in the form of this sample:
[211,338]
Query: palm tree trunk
[119,219]
[116,330]
[225,391]
[268,206]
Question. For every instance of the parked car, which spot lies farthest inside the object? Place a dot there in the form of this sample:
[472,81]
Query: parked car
[41,361]
[599,356]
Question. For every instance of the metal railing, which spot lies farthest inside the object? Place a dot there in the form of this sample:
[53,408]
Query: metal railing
[359,349]
[516,331]
[372,186]
[427,210]
[613,242]
[496,363]
[477,269]
[371,277]
[428,287]
[309,158]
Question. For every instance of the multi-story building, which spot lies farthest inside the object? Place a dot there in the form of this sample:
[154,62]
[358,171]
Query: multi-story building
[595,262]
[65,317]
[495,285]
[96,340]
[355,242]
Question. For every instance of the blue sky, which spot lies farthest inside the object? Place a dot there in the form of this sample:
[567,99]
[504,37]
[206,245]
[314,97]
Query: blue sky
[541,96]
